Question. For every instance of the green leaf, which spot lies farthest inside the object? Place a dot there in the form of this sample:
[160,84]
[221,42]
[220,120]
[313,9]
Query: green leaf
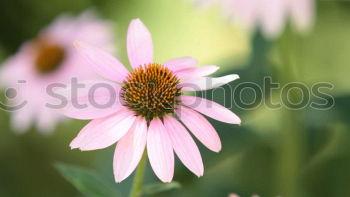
[87,182]
[160,187]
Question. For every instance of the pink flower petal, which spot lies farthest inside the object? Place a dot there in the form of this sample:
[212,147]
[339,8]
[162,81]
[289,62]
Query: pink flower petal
[273,15]
[139,44]
[196,72]
[302,14]
[93,99]
[206,83]
[200,127]
[184,146]
[129,150]
[233,195]
[101,133]
[25,116]
[181,63]
[160,151]
[243,12]
[46,120]
[211,109]
[102,62]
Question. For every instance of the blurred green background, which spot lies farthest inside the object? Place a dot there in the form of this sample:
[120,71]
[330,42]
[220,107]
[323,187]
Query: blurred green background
[288,153]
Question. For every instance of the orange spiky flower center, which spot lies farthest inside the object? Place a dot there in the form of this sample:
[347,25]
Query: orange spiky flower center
[151,91]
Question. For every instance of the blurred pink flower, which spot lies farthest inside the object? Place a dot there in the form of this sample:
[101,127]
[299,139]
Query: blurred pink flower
[233,195]
[150,97]
[269,15]
[47,59]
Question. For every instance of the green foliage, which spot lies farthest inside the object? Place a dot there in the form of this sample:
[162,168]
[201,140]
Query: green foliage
[273,153]
[87,182]
[160,187]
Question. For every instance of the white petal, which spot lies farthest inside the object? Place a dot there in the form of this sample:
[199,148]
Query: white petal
[206,83]
[196,72]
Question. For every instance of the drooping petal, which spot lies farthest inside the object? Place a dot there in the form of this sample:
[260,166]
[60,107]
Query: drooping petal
[196,72]
[206,83]
[272,16]
[46,120]
[139,44]
[181,63]
[184,146]
[200,127]
[160,151]
[129,150]
[91,99]
[244,13]
[101,133]
[25,116]
[302,14]
[102,62]
[211,109]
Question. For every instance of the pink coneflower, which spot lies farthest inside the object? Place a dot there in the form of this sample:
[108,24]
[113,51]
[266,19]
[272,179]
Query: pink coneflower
[150,100]
[51,58]
[269,15]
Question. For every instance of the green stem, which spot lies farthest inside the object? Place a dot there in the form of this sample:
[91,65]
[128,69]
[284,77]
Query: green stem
[136,189]
[292,139]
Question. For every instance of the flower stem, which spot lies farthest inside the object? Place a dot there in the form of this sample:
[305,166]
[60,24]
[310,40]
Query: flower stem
[136,189]
[292,139]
